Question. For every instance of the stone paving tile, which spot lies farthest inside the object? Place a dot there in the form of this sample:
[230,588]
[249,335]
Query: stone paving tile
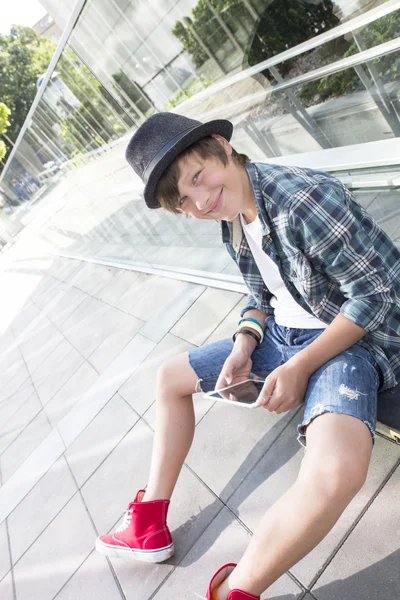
[39,343]
[6,588]
[223,541]
[50,377]
[88,329]
[39,507]
[275,473]
[10,361]
[139,389]
[87,277]
[7,340]
[92,278]
[28,317]
[122,329]
[238,437]
[18,378]
[70,300]
[25,443]
[11,404]
[192,509]
[228,325]
[115,483]
[64,268]
[89,309]
[70,393]
[112,291]
[166,317]
[56,554]
[104,388]
[100,437]
[367,565]
[30,472]
[155,293]
[205,315]
[92,581]
[46,290]
[134,293]
[5,565]
[21,418]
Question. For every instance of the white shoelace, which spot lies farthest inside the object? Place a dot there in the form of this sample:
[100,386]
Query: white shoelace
[126,522]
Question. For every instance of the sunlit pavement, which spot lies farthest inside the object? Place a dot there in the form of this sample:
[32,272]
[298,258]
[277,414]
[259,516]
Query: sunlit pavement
[80,344]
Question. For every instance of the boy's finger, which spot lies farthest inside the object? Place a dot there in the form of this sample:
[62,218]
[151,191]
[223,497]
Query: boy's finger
[266,392]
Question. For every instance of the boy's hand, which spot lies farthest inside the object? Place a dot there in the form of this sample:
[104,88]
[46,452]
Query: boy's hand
[237,367]
[284,388]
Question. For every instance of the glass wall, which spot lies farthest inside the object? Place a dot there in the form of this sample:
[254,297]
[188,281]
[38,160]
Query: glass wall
[294,76]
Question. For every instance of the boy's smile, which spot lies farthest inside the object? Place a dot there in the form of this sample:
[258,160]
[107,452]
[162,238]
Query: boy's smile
[210,190]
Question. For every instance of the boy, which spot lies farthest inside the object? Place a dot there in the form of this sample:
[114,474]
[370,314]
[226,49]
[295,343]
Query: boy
[321,325]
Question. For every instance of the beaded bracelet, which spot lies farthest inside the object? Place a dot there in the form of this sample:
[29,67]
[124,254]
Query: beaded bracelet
[247,332]
[251,319]
[253,326]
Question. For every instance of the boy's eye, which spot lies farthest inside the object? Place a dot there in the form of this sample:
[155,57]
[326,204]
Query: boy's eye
[195,177]
[181,200]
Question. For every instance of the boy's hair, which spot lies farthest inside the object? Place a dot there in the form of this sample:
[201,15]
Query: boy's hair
[167,192]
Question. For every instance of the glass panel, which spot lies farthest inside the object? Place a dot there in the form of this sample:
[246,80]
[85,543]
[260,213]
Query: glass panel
[126,59]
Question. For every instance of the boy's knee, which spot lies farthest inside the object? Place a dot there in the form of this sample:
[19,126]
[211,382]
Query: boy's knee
[176,376]
[338,478]
[166,373]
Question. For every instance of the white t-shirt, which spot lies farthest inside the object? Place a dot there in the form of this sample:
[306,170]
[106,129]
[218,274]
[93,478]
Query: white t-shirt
[286,310]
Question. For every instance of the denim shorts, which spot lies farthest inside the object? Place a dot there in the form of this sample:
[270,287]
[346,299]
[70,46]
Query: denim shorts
[347,384]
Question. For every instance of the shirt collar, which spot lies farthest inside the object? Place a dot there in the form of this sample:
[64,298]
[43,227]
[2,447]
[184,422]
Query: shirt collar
[230,230]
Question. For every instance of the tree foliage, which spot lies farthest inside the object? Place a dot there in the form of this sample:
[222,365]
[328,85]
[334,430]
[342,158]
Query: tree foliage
[286,24]
[387,67]
[4,115]
[23,57]
[3,150]
[207,28]
[4,124]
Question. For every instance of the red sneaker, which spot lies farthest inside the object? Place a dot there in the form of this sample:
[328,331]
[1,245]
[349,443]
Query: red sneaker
[143,535]
[219,577]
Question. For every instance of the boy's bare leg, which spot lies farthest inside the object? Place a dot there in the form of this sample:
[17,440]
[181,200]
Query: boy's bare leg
[176,382]
[332,472]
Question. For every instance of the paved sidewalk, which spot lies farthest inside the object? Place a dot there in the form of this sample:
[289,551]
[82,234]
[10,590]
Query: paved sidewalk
[80,345]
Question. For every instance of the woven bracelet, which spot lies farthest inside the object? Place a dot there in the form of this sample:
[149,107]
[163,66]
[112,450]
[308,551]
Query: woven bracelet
[247,332]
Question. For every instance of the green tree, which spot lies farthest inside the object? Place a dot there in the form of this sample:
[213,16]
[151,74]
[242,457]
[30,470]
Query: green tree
[4,124]
[388,67]
[204,24]
[23,57]
[286,24]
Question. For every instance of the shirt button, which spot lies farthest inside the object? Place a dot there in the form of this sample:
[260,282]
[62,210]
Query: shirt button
[277,257]
[298,295]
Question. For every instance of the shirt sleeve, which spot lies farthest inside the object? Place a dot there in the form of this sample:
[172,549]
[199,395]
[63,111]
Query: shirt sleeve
[261,304]
[337,237]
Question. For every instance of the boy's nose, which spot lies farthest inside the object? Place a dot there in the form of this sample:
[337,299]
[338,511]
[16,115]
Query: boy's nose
[202,200]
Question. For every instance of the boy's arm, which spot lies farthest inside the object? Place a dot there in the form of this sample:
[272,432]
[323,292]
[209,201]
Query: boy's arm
[334,234]
[285,387]
[337,337]
[237,366]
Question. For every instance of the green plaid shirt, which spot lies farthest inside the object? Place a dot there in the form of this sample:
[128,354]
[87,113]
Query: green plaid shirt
[333,257]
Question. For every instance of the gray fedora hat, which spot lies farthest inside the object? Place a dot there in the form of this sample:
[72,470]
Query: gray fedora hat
[158,142]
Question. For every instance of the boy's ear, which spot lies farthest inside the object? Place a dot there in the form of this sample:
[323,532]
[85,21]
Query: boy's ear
[224,143]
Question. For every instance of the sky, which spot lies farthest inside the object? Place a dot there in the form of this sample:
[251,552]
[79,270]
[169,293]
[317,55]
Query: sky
[20,12]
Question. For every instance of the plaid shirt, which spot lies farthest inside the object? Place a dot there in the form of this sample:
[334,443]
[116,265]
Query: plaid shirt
[332,256]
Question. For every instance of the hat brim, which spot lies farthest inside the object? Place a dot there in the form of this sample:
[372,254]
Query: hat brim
[189,137]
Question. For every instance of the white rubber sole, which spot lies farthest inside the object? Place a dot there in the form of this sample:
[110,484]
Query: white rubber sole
[152,556]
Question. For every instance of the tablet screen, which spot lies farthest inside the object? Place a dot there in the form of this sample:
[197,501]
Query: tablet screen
[245,392]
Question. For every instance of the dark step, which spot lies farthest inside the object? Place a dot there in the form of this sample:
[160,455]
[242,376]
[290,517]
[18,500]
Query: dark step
[389,413]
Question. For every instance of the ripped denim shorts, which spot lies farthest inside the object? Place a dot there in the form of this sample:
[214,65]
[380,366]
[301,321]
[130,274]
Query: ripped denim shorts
[347,384]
